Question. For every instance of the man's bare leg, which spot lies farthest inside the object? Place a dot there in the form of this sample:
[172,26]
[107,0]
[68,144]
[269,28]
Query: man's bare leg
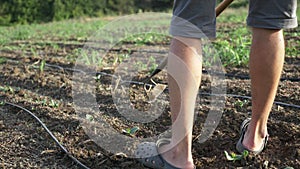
[266,63]
[184,75]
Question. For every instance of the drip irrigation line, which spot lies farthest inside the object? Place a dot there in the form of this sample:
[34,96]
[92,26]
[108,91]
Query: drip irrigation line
[149,85]
[243,77]
[275,102]
[51,135]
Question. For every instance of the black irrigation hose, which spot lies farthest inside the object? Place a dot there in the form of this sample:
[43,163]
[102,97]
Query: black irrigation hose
[248,97]
[146,84]
[51,135]
[244,77]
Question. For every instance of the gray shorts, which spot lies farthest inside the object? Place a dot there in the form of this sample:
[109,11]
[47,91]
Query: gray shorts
[197,19]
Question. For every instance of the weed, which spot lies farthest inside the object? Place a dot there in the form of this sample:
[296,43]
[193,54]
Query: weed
[33,52]
[89,117]
[233,52]
[230,15]
[9,48]
[2,60]
[131,131]
[7,89]
[234,157]
[43,102]
[292,47]
[22,33]
[150,66]
[42,66]
[97,77]
[140,66]
[146,38]
[122,57]
[55,47]
[240,103]
[152,63]
[89,57]
[53,104]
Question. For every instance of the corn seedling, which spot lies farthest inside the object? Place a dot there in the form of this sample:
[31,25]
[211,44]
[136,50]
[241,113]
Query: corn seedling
[235,157]
[240,103]
[122,57]
[33,52]
[89,117]
[131,131]
[7,89]
[53,104]
[42,66]
[152,63]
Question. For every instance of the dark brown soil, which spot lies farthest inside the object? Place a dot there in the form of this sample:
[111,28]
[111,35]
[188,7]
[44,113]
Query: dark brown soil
[48,94]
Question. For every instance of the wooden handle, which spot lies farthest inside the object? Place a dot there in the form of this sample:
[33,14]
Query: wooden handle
[222,6]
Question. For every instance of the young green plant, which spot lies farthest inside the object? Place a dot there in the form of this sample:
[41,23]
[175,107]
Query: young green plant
[235,157]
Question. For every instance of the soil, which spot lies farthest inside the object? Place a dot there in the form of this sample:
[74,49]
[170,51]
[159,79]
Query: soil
[47,92]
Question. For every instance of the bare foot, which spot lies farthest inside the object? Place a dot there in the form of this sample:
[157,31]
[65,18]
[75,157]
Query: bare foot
[175,157]
[253,142]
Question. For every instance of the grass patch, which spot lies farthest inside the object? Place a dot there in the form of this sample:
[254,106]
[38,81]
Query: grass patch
[2,60]
[232,43]
[236,15]
[62,30]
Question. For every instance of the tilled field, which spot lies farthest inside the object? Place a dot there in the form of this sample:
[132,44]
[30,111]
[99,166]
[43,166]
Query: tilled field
[42,83]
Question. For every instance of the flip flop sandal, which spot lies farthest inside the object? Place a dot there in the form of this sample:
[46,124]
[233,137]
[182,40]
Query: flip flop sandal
[148,155]
[167,135]
[240,147]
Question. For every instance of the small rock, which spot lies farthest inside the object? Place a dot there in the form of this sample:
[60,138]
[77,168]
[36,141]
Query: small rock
[265,165]
[277,162]
[1,125]
[298,152]
[288,167]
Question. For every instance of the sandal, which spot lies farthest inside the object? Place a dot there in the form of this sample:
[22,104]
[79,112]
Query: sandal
[167,134]
[148,155]
[240,147]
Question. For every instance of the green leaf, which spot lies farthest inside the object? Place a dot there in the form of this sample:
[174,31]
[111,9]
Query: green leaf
[42,66]
[2,60]
[134,130]
[229,157]
[233,157]
[245,153]
[89,117]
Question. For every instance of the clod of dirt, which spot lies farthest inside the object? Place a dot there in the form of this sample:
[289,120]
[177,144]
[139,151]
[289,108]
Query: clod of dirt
[298,152]
[1,125]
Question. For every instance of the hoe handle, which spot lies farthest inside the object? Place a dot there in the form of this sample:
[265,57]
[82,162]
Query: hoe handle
[222,6]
